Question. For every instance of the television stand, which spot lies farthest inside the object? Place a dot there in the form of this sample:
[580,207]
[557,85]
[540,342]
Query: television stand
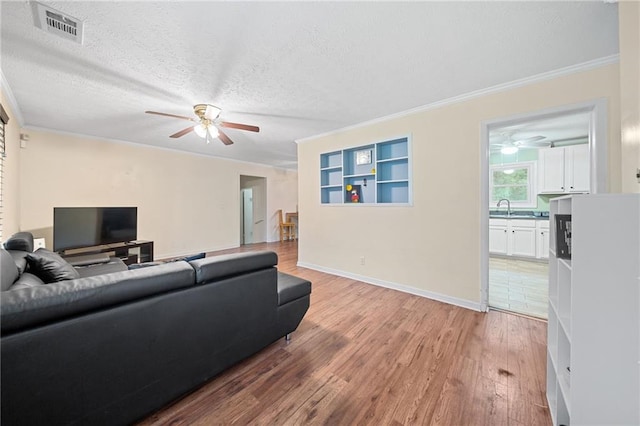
[130,253]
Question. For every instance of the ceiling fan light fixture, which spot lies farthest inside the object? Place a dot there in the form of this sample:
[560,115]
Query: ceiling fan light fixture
[200,129]
[213,131]
[508,171]
[212,112]
[508,150]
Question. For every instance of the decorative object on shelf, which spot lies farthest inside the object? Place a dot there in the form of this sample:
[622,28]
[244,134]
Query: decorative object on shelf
[363,157]
[563,236]
[353,195]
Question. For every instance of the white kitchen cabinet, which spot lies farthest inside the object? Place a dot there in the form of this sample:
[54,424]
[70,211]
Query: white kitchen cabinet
[513,237]
[542,239]
[522,238]
[576,169]
[593,335]
[564,169]
[498,236]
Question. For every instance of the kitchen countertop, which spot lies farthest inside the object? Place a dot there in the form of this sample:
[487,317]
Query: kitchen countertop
[531,215]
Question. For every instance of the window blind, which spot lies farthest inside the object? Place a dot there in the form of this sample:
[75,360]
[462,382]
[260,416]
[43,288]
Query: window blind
[4,119]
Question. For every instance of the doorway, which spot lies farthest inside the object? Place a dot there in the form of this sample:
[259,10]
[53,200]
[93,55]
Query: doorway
[253,209]
[515,277]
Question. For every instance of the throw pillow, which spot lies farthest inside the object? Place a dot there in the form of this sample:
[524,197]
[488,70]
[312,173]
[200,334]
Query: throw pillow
[50,267]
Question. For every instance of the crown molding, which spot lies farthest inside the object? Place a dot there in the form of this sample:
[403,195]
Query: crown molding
[13,104]
[142,145]
[572,69]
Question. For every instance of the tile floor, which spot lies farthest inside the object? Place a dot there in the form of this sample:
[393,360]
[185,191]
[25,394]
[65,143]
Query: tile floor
[519,286]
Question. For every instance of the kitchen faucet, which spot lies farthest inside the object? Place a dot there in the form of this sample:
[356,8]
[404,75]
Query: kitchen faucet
[508,205]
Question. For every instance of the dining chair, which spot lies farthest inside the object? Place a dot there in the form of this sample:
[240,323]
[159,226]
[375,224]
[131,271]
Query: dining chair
[287,229]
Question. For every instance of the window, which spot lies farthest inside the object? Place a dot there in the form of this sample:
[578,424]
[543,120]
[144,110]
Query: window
[4,119]
[515,182]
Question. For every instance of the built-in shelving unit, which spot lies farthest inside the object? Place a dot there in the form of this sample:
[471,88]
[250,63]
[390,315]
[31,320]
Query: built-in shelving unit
[331,177]
[379,172]
[593,350]
[392,166]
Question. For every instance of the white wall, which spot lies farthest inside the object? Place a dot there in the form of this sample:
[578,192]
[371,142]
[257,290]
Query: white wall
[434,247]
[186,203]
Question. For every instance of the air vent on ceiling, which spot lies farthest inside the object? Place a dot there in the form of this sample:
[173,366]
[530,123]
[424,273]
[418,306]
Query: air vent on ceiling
[56,22]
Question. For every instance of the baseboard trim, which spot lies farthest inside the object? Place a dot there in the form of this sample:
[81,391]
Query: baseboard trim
[395,286]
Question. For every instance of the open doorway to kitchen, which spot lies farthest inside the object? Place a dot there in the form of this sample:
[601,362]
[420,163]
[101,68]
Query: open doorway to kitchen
[530,159]
[253,209]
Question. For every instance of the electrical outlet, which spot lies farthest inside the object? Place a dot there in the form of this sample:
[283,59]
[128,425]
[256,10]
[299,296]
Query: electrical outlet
[38,243]
[362,260]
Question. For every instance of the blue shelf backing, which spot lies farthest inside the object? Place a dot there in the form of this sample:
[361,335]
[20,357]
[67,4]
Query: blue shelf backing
[350,156]
[393,170]
[367,188]
[393,149]
[330,177]
[331,195]
[331,159]
[393,192]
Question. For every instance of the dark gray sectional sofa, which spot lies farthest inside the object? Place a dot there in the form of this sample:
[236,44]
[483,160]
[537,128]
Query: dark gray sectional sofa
[112,348]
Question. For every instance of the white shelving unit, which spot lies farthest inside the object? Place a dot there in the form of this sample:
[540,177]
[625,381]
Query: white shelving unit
[593,349]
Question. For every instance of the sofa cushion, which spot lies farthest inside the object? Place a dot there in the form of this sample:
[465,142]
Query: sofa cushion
[26,280]
[50,267]
[8,269]
[20,258]
[22,241]
[38,305]
[114,265]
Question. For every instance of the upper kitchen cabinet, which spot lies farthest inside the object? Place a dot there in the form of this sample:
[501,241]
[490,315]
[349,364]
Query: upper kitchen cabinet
[564,169]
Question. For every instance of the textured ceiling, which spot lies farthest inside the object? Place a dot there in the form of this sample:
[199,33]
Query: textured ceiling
[296,69]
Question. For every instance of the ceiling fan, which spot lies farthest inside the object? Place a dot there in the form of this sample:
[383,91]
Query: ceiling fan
[207,123]
[510,144]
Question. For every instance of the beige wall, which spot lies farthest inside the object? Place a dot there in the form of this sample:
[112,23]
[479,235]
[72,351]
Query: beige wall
[11,178]
[186,203]
[433,247]
[629,27]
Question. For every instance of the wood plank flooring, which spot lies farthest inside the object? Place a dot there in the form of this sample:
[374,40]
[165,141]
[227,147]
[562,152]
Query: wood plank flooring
[366,355]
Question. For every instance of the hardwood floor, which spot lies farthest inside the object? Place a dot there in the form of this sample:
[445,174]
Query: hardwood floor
[373,356]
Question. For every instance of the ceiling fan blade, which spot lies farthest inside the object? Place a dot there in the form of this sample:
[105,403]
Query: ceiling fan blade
[240,126]
[224,138]
[531,139]
[171,115]
[182,132]
[534,144]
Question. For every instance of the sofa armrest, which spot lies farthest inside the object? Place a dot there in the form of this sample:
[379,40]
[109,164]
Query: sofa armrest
[218,267]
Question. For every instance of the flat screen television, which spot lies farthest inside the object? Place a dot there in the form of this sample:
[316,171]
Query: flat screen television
[77,227]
